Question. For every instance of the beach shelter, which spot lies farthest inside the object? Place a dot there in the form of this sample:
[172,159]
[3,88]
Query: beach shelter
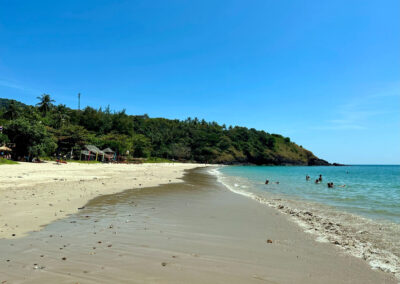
[5,149]
[92,151]
[109,154]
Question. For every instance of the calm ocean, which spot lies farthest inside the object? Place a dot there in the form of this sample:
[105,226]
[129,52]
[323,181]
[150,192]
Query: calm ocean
[363,217]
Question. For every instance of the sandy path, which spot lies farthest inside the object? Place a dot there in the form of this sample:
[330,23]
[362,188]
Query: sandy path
[32,195]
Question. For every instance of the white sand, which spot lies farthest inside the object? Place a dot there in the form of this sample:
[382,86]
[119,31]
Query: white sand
[32,195]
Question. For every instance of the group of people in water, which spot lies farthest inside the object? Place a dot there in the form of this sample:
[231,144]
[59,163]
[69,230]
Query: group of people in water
[317,181]
[267,182]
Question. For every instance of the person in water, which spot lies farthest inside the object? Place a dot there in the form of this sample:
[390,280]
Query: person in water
[317,181]
[320,178]
[267,182]
[330,184]
[277,182]
[307,177]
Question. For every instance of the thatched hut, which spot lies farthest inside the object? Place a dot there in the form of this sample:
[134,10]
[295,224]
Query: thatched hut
[109,154]
[91,152]
[5,152]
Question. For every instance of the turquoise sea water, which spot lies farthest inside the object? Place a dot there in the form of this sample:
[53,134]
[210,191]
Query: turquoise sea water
[363,217]
[370,191]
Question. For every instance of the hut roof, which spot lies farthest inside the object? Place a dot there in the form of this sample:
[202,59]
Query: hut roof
[86,153]
[108,150]
[5,148]
[94,149]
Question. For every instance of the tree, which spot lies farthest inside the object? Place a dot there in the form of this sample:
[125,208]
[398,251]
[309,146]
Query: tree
[13,111]
[61,115]
[3,139]
[71,137]
[45,103]
[141,145]
[30,137]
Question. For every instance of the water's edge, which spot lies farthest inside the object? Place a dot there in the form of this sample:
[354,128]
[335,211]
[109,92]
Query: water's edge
[355,239]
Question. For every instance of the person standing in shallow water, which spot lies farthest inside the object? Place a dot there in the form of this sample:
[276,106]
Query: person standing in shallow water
[320,178]
[266,181]
[307,177]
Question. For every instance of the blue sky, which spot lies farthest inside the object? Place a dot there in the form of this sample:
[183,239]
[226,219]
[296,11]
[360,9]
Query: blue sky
[325,73]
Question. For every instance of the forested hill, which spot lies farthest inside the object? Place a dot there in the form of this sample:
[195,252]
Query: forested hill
[46,128]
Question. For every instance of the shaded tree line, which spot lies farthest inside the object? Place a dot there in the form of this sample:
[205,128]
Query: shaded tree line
[46,129]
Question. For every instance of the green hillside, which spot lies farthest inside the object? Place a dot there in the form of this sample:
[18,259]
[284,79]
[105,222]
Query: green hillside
[46,129]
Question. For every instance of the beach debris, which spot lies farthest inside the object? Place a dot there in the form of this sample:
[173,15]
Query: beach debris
[111,226]
[163,263]
[269,241]
[13,235]
[41,255]
[80,208]
[109,246]
[99,242]
[64,258]
[37,266]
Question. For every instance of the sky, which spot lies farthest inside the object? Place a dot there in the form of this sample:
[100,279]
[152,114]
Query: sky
[324,73]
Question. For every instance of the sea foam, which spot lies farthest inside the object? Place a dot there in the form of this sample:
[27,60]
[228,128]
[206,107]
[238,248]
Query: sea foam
[378,243]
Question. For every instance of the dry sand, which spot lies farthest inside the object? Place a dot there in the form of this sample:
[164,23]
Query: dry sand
[191,232]
[33,195]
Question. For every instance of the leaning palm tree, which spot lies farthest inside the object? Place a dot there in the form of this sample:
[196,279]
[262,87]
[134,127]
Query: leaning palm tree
[45,103]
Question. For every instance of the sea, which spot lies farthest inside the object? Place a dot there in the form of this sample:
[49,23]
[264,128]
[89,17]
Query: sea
[360,214]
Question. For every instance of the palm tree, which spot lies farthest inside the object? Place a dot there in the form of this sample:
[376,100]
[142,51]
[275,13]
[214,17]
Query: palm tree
[45,103]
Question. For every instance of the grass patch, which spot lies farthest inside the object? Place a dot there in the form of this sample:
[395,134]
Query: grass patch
[7,162]
[83,162]
[158,160]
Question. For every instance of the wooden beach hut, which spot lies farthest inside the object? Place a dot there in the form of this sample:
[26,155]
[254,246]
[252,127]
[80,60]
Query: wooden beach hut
[91,152]
[109,154]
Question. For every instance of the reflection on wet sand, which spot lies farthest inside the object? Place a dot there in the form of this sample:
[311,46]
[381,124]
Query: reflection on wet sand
[194,232]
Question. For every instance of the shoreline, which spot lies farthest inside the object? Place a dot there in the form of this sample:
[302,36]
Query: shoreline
[196,231]
[34,195]
[347,231]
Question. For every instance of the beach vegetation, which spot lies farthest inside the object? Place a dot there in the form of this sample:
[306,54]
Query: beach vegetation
[7,162]
[48,130]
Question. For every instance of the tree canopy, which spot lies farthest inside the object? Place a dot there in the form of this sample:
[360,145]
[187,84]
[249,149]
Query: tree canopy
[46,129]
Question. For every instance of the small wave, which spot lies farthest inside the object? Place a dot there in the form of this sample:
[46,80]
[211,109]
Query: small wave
[376,243]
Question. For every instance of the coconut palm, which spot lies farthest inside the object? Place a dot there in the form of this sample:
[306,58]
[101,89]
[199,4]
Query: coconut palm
[45,103]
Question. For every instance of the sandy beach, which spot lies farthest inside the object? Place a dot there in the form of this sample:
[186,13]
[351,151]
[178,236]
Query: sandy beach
[195,231]
[33,195]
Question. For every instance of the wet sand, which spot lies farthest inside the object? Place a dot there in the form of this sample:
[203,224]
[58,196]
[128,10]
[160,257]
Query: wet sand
[193,232]
[33,195]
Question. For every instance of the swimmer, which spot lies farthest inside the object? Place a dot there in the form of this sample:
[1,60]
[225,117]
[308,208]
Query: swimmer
[277,182]
[317,181]
[330,184]
[307,177]
[320,178]
[267,182]
[343,185]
